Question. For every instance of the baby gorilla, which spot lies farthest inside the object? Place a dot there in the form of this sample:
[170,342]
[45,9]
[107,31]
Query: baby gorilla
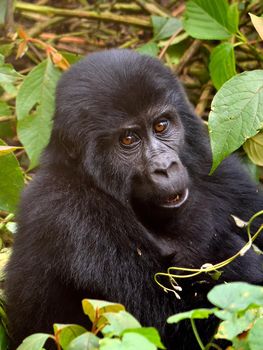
[122,193]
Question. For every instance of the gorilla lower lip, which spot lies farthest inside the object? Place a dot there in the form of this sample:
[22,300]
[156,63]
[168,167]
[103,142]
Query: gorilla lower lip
[176,200]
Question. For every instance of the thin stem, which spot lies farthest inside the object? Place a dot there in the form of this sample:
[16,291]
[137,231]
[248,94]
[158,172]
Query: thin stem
[197,334]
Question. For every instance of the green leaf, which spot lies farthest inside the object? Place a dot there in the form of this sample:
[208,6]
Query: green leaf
[222,65]
[254,149]
[119,322]
[37,91]
[149,333]
[86,341]
[150,49]
[235,325]
[192,314]
[208,19]
[8,75]
[34,342]
[91,305]
[130,341]
[255,338]
[164,28]
[66,333]
[233,17]
[11,181]
[236,296]
[236,114]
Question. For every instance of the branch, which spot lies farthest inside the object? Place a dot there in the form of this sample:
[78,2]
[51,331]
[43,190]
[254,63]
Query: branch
[103,16]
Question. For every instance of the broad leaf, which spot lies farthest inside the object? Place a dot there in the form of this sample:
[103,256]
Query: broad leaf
[198,313]
[235,325]
[236,114]
[91,306]
[208,19]
[222,65]
[66,333]
[86,341]
[34,342]
[130,341]
[11,181]
[236,296]
[37,92]
[149,333]
[118,322]
[254,148]
[164,28]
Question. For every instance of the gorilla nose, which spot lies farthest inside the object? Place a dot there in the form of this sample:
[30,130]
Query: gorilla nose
[164,169]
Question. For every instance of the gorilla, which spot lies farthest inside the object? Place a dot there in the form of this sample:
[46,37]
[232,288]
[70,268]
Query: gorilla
[123,192]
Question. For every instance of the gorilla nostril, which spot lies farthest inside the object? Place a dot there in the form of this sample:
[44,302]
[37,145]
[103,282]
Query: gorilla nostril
[161,172]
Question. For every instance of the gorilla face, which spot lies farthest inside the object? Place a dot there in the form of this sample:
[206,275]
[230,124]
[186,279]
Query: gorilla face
[128,109]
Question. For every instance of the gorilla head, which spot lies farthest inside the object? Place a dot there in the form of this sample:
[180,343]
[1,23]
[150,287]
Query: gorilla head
[124,116]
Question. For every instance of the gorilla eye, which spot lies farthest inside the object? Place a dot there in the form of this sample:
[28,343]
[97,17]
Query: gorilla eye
[129,139]
[160,126]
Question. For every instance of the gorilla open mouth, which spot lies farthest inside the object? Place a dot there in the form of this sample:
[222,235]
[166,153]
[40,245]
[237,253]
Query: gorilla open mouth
[176,200]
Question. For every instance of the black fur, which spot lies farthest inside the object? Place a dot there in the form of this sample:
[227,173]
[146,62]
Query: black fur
[87,228]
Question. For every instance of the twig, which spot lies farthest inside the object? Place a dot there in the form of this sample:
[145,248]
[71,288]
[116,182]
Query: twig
[9,18]
[169,43]
[152,8]
[188,55]
[204,98]
[103,16]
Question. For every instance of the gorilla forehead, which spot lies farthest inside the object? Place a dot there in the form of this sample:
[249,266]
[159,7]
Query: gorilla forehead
[120,81]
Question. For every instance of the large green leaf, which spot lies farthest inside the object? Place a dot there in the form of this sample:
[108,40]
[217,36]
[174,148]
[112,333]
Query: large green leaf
[93,307]
[118,322]
[222,65]
[236,114]
[235,325]
[35,108]
[67,332]
[164,28]
[236,296]
[34,342]
[11,181]
[150,333]
[209,19]
[130,341]
[86,341]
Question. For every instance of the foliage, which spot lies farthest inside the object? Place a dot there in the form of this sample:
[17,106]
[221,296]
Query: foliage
[112,328]
[240,307]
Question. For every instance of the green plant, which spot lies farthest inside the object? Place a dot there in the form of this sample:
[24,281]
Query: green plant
[240,307]
[112,328]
